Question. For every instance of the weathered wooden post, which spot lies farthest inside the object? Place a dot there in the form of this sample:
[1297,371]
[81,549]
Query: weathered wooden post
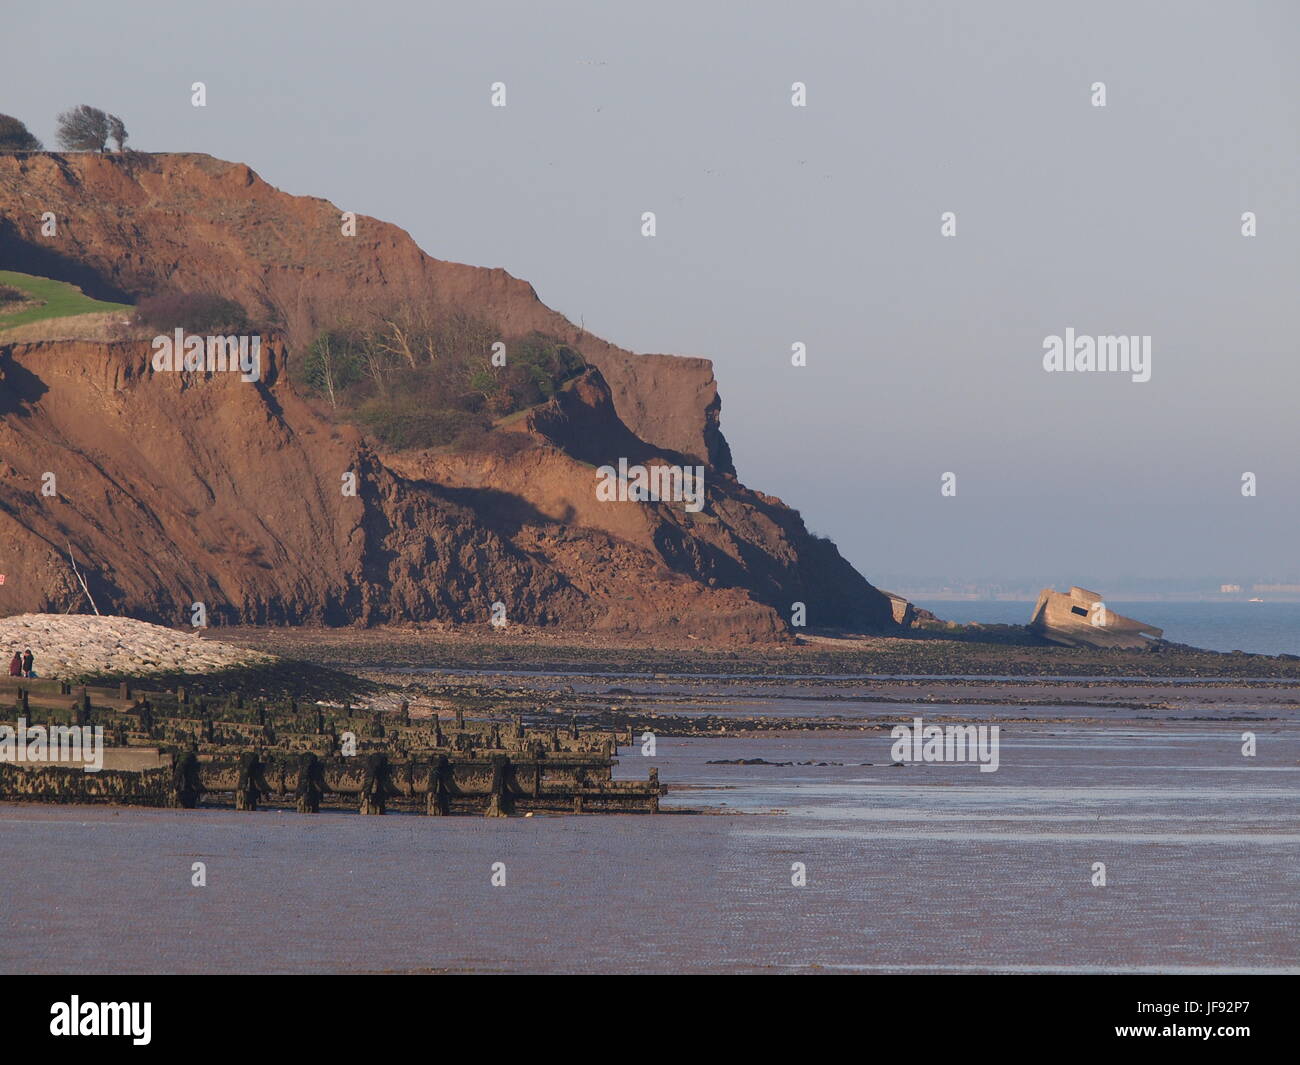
[537,771]
[373,791]
[654,784]
[311,783]
[579,782]
[182,695]
[22,701]
[440,777]
[460,717]
[186,784]
[124,690]
[500,802]
[405,709]
[247,791]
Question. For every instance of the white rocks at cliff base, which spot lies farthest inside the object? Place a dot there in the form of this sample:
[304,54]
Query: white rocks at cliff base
[69,645]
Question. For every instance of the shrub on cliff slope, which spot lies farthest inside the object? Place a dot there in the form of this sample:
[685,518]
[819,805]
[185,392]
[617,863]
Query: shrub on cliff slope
[535,366]
[195,312]
[413,380]
[403,423]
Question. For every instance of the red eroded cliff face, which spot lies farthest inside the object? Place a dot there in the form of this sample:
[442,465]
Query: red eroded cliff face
[196,487]
[129,225]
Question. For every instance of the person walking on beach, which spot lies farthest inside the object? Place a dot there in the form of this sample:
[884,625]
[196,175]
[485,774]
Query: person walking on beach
[27,663]
[16,665]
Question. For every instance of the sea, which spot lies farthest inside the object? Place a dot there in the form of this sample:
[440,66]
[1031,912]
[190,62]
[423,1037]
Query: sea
[1108,841]
[1269,628]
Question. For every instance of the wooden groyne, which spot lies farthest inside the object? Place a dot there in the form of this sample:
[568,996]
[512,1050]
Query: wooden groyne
[309,757]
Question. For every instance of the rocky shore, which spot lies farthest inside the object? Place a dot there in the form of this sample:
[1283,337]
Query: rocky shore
[1005,651]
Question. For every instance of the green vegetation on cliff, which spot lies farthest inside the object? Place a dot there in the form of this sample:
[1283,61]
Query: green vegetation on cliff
[414,382]
[54,299]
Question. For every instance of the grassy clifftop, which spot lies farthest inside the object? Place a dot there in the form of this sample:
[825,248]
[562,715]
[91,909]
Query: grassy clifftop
[47,299]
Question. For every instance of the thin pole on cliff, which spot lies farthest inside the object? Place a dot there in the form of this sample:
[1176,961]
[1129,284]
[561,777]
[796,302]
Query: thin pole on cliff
[82,581]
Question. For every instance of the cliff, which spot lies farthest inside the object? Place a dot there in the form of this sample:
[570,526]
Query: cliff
[177,488]
[130,225]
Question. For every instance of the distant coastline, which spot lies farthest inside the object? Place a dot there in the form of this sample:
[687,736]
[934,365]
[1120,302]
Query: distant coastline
[923,596]
[1216,624]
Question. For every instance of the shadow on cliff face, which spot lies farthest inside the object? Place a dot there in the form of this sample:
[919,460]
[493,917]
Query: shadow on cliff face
[45,261]
[19,387]
[504,511]
[581,421]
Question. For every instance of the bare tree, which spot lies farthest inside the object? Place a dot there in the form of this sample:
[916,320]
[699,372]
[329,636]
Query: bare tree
[325,349]
[398,339]
[82,580]
[375,361]
[84,129]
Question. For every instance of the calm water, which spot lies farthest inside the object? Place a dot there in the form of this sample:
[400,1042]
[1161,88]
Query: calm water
[909,868]
[1262,628]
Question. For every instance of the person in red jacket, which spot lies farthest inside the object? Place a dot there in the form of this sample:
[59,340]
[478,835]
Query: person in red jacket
[15,665]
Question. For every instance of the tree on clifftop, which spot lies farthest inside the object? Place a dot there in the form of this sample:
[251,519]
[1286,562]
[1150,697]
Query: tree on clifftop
[117,132]
[15,137]
[83,129]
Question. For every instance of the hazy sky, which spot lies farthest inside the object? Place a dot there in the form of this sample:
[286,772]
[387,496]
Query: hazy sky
[779,224]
